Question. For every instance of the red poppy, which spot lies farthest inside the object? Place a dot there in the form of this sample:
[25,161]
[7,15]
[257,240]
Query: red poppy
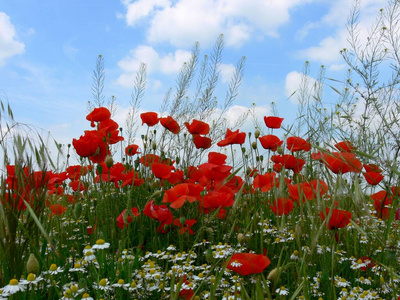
[338,219]
[198,127]
[108,125]
[113,137]
[132,178]
[57,209]
[345,146]
[181,193]
[248,263]
[372,168]
[132,150]
[97,115]
[148,159]
[161,213]
[342,162]
[74,172]
[78,186]
[289,162]
[265,182]
[216,158]
[186,226]
[175,177]
[120,220]
[87,144]
[282,206]
[373,178]
[382,202]
[295,144]
[201,142]
[232,137]
[149,118]
[223,197]
[170,124]
[301,190]
[271,142]
[273,122]
[161,171]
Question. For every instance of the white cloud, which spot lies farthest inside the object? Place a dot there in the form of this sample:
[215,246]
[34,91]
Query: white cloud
[226,72]
[327,50]
[295,81]
[9,45]
[182,22]
[169,63]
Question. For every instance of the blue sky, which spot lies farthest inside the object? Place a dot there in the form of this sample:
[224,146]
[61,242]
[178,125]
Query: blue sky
[48,50]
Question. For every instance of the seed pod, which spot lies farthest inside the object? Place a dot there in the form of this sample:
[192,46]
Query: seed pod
[32,265]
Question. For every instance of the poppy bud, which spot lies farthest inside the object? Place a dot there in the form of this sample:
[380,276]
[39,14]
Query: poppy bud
[209,256]
[279,150]
[273,275]
[241,238]
[109,161]
[177,159]
[254,145]
[32,265]
[78,210]
[154,145]
[257,134]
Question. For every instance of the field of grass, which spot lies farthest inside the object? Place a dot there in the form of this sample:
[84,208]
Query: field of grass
[284,219]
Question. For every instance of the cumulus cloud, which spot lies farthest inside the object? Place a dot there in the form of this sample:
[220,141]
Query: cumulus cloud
[9,45]
[178,22]
[327,50]
[169,63]
[295,81]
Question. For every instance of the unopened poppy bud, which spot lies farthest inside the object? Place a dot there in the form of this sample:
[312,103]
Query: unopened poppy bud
[32,265]
[154,145]
[209,256]
[109,161]
[243,150]
[257,134]
[261,157]
[248,170]
[78,210]
[298,231]
[210,230]
[156,194]
[254,145]
[279,150]
[241,238]
[273,275]
[177,159]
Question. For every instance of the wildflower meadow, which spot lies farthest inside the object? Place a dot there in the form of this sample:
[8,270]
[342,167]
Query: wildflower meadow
[176,204]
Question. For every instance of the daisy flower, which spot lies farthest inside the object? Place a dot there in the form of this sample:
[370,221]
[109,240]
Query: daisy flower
[13,287]
[101,244]
[282,291]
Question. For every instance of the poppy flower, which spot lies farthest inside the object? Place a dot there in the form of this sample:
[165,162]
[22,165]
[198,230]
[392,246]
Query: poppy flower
[345,146]
[248,263]
[271,142]
[216,158]
[273,122]
[131,150]
[342,162]
[265,182]
[338,219]
[120,220]
[149,158]
[98,114]
[217,198]
[232,137]
[149,118]
[113,137]
[108,125]
[372,168]
[198,127]
[57,209]
[201,142]
[181,193]
[161,171]
[87,144]
[301,190]
[282,206]
[382,202]
[295,144]
[161,213]
[186,226]
[373,178]
[170,124]
[289,161]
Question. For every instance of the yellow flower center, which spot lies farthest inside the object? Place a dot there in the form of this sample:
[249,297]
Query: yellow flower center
[77,265]
[14,282]
[103,282]
[85,295]
[100,242]
[53,267]
[88,253]
[74,288]
[31,277]
[121,281]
